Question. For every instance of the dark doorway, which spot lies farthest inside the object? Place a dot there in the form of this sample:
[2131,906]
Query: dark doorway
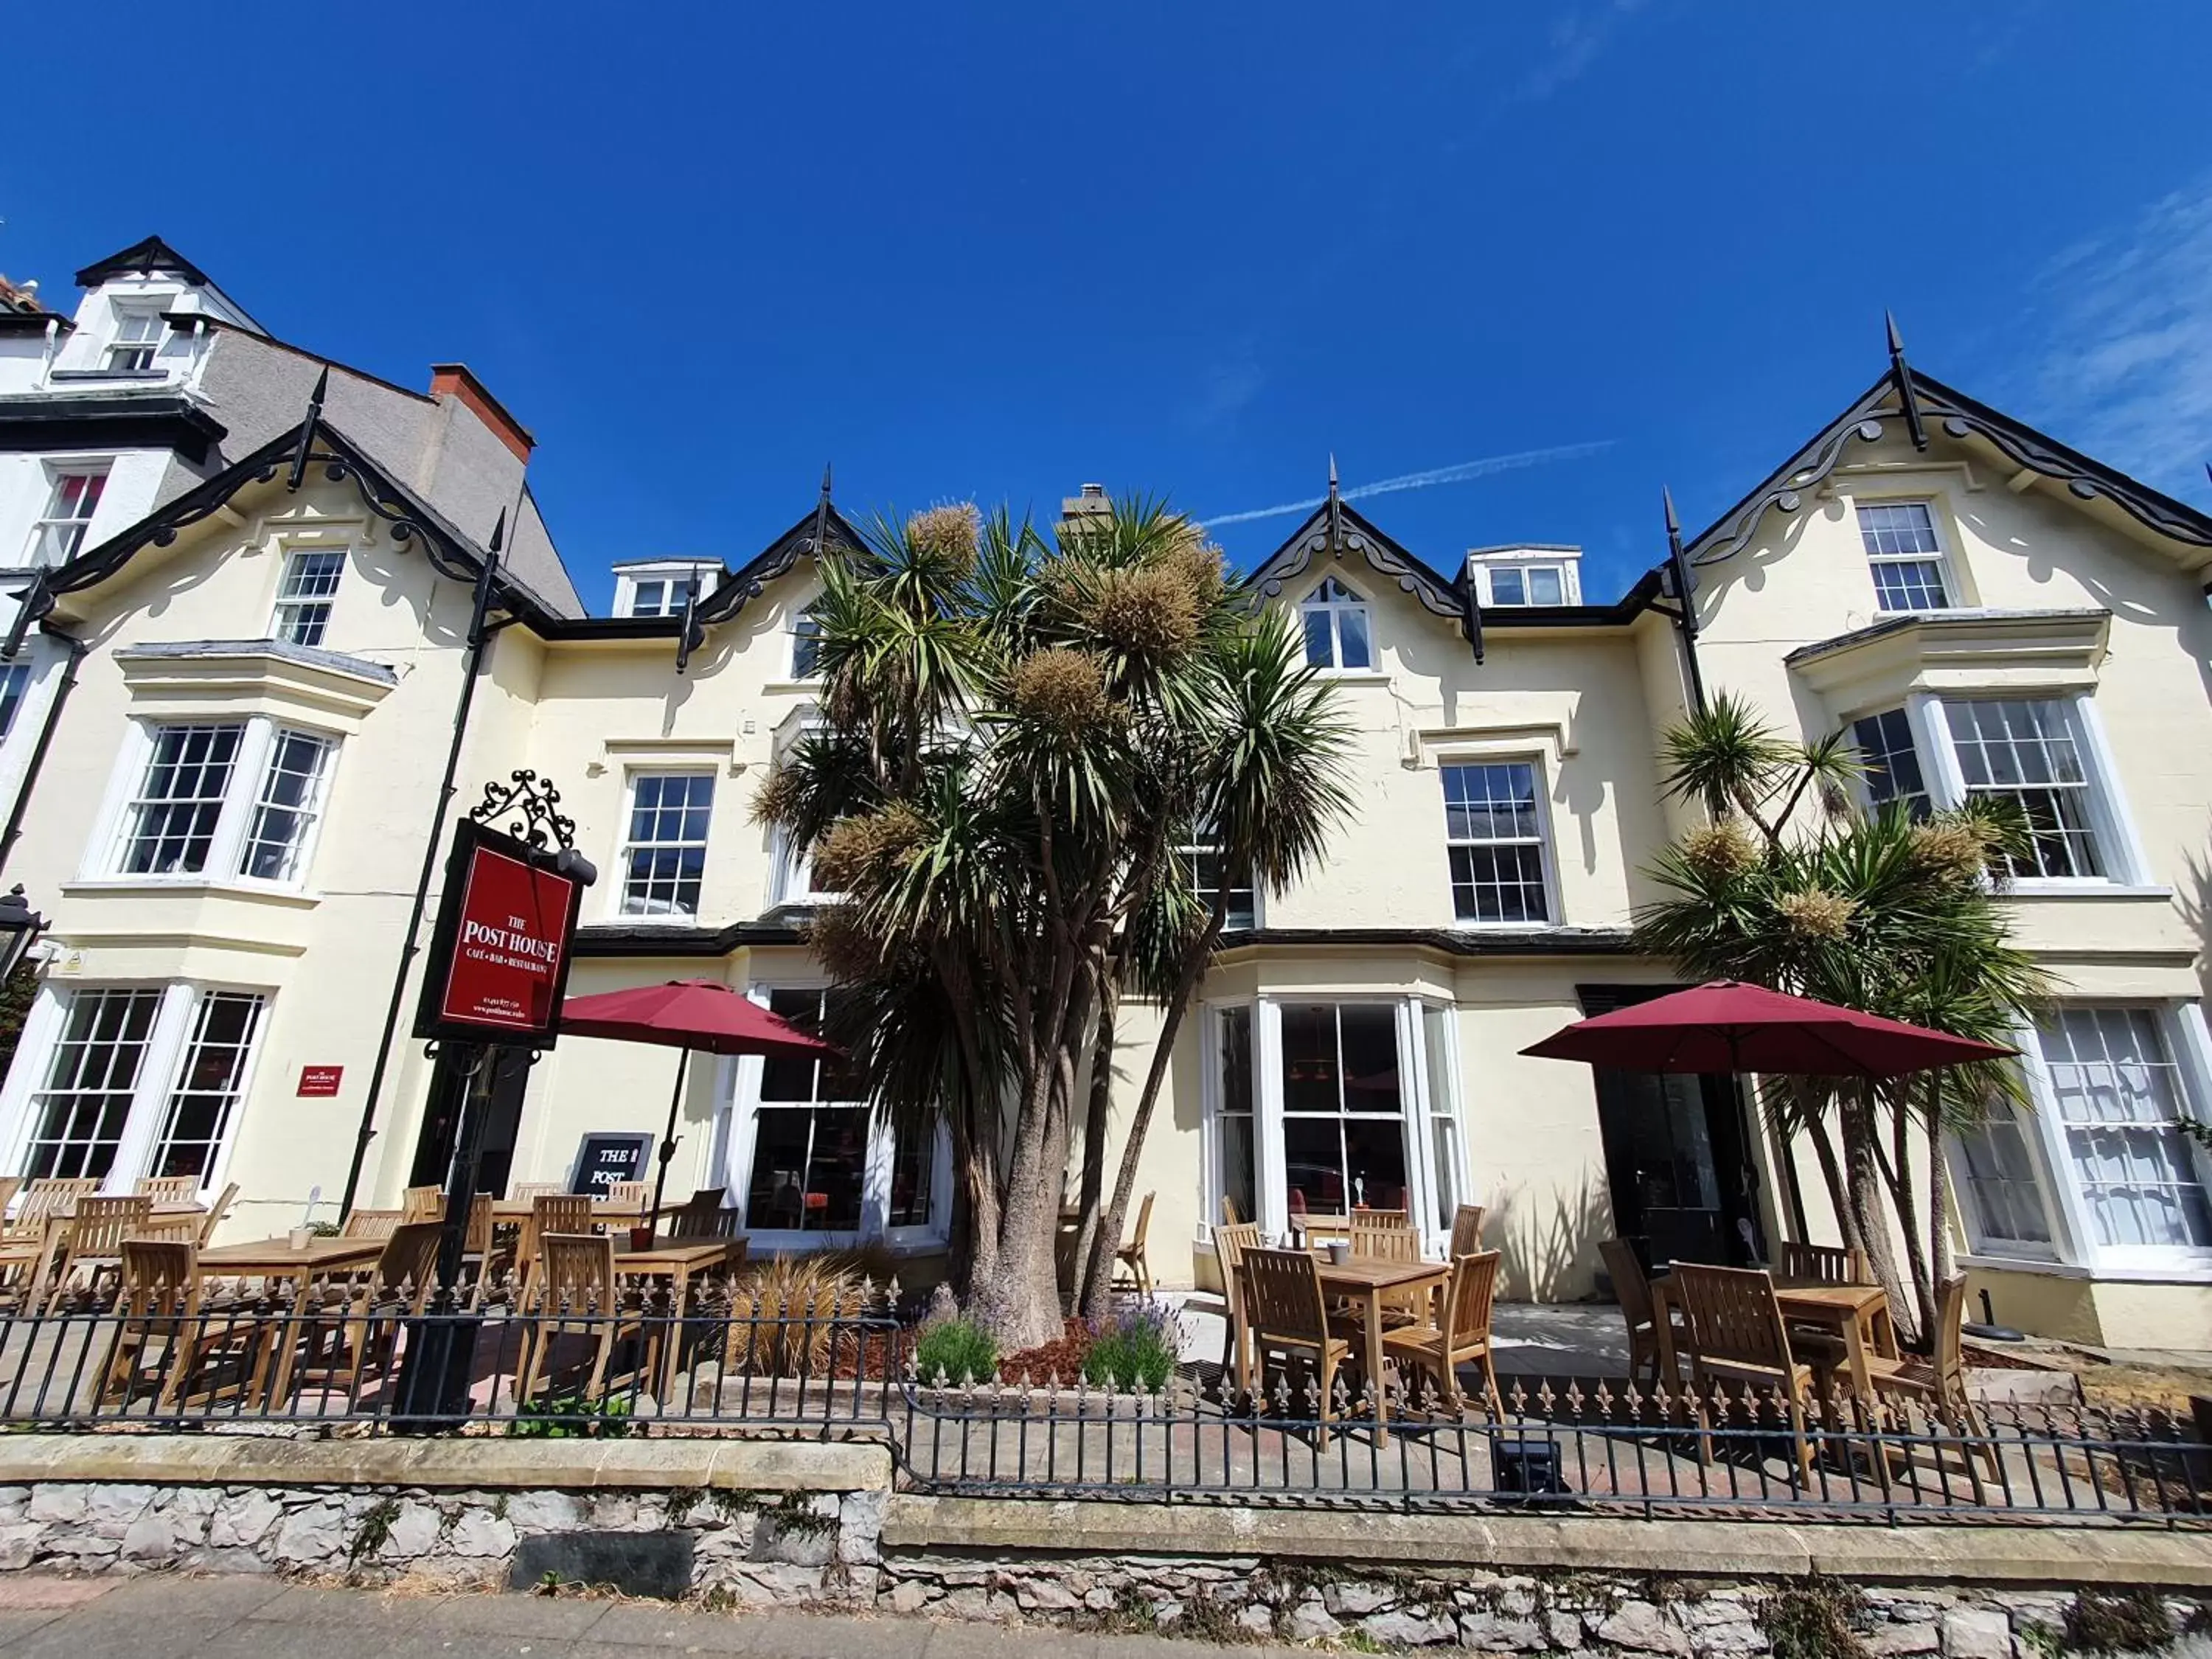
[1677,1157]
[441,1120]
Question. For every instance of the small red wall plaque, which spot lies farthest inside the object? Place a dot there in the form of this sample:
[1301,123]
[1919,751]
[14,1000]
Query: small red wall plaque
[319,1080]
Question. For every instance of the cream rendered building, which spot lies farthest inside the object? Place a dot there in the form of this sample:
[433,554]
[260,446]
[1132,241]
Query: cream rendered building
[1988,610]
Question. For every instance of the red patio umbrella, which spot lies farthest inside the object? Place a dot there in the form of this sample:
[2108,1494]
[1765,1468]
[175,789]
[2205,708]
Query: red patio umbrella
[686,1014]
[1729,1026]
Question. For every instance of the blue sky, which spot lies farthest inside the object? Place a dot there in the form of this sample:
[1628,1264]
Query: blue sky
[992,251]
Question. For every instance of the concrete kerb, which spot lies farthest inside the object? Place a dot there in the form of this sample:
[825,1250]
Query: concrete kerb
[465,1463]
[1685,1548]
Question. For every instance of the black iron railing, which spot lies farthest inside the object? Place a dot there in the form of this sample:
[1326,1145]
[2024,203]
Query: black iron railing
[845,1367]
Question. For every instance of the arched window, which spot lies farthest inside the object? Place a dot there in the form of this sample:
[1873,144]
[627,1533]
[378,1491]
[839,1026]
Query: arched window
[1335,623]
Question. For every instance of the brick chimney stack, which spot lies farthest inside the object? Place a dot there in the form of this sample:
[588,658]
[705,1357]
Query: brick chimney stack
[456,381]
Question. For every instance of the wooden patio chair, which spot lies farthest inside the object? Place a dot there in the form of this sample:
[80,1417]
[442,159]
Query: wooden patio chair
[166,1342]
[1467,1230]
[92,1244]
[1389,1236]
[1287,1314]
[371,1224]
[480,1252]
[629,1197]
[1736,1333]
[218,1212]
[350,1340]
[703,1215]
[426,1203]
[1231,1242]
[527,1192]
[1317,1230]
[167,1190]
[1131,1255]
[1229,1212]
[9,1186]
[1823,1264]
[47,1197]
[1462,1337]
[577,1271]
[1940,1384]
[550,1212]
[1633,1291]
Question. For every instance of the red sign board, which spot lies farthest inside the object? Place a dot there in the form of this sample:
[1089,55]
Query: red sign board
[499,960]
[319,1082]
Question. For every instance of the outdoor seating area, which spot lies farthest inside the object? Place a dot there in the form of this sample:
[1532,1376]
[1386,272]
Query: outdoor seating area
[319,1319]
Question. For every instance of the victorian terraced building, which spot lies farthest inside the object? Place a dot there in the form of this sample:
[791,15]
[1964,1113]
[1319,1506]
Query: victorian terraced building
[227,820]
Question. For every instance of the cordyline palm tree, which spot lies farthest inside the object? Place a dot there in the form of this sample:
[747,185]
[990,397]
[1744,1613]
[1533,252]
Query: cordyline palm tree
[1787,885]
[1016,737]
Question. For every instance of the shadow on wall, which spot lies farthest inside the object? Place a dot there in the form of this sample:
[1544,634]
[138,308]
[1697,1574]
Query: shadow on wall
[1549,1236]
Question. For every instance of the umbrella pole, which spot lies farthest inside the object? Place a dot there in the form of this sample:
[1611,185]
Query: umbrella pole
[668,1140]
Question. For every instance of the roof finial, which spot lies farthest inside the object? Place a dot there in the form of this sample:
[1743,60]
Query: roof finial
[821,515]
[825,481]
[1335,507]
[1674,524]
[1331,472]
[1902,374]
[499,532]
[314,415]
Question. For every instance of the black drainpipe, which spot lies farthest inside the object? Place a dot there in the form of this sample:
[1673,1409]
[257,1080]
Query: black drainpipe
[77,649]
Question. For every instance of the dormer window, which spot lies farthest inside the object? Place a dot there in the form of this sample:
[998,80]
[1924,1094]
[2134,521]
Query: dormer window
[652,598]
[1514,584]
[139,332]
[661,588]
[1335,623]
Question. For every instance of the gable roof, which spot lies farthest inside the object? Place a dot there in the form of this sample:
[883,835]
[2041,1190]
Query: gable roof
[1923,404]
[151,253]
[453,552]
[1337,526]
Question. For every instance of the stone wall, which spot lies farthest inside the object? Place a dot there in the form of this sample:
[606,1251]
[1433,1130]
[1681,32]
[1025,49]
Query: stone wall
[750,1523]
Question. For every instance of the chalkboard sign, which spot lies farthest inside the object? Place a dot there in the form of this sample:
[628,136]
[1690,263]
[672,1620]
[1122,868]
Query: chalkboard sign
[606,1156]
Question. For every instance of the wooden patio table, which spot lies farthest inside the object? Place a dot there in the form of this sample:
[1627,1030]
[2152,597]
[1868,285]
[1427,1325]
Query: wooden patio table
[1857,1313]
[676,1259]
[276,1261]
[1366,1280]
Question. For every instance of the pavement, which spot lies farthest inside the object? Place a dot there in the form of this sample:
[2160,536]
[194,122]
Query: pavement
[160,1615]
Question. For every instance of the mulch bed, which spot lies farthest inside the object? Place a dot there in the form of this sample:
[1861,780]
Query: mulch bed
[1062,1358]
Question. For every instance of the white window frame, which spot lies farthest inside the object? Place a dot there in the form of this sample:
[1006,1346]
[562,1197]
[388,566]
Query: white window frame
[1945,579]
[241,800]
[154,1090]
[2074,1246]
[804,628]
[126,314]
[1335,610]
[1534,763]
[1213,1110]
[292,608]
[2110,823]
[661,587]
[619,895]
[738,1131]
[1415,1099]
[51,526]
[1527,570]
[1197,848]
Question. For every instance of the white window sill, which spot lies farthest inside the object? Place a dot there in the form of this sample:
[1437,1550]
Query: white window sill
[793,688]
[1464,927]
[661,918]
[2053,887]
[2184,1269]
[1355,675]
[294,898]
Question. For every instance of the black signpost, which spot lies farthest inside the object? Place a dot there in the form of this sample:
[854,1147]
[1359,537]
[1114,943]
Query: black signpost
[497,970]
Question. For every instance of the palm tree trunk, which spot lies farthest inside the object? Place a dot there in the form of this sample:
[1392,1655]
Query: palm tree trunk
[1901,1196]
[1939,1201]
[1863,1188]
[1095,1121]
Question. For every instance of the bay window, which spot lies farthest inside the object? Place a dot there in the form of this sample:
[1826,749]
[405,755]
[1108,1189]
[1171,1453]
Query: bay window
[2044,754]
[1319,1107]
[115,1082]
[2105,1171]
[817,1164]
[222,800]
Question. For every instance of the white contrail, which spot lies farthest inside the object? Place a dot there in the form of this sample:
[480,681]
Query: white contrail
[1459,473]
